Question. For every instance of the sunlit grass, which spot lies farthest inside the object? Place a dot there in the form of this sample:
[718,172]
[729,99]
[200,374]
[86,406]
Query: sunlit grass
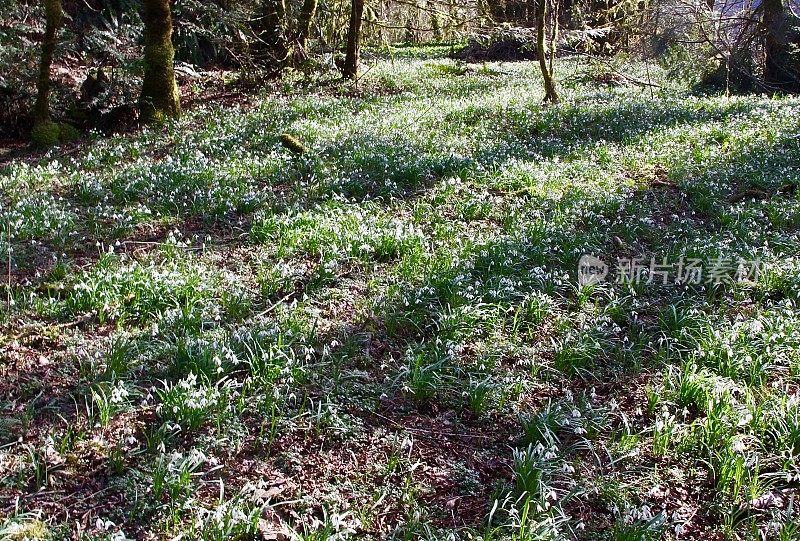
[386,336]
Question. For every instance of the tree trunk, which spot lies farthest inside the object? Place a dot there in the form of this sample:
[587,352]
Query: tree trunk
[354,40]
[530,14]
[550,94]
[53,19]
[781,35]
[160,96]
[274,31]
[307,14]
[553,44]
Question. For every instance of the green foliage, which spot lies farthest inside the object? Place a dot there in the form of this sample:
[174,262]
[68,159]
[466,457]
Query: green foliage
[191,403]
[687,64]
[46,134]
[49,134]
[199,319]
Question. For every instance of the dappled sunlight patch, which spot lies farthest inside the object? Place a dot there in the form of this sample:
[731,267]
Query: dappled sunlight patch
[337,232]
[389,335]
[120,288]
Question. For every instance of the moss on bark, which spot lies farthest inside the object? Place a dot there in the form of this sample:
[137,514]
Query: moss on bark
[53,18]
[307,14]
[547,68]
[159,98]
[293,144]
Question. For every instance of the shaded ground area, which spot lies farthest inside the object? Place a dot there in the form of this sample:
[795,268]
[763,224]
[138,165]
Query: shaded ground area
[205,336]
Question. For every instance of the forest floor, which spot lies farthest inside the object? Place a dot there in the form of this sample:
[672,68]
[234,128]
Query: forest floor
[203,336]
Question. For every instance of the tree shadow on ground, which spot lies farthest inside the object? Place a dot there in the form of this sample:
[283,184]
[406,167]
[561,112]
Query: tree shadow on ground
[462,299]
[359,166]
[435,310]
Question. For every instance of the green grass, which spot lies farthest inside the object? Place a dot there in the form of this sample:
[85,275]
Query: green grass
[206,336]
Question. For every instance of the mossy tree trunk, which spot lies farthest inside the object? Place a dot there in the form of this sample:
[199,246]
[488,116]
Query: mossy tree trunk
[54,16]
[159,98]
[273,33]
[547,68]
[781,39]
[354,40]
[307,14]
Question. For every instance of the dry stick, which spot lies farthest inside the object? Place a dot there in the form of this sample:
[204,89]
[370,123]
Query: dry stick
[276,304]
[615,72]
[390,26]
[58,326]
[708,40]
[361,76]
[649,80]
[424,113]
[425,9]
